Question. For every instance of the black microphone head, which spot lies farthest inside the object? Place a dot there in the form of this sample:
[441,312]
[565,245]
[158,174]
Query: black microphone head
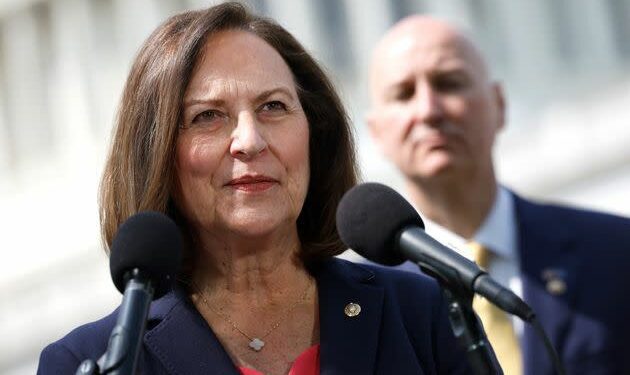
[369,218]
[151,242]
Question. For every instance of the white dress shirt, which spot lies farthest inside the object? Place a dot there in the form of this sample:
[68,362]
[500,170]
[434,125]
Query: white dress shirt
[498,233]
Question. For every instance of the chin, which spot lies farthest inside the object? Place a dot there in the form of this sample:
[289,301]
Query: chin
[256,224]
[250,232]
[430,169]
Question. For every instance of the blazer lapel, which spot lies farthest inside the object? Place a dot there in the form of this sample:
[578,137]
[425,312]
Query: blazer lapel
[182,340]
[348,337]
[548,272]
[184,343]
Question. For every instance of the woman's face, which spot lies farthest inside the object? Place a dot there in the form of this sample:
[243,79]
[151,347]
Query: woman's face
[242,153]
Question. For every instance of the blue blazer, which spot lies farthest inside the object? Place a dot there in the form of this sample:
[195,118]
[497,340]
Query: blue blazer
[402,329]
[575,269]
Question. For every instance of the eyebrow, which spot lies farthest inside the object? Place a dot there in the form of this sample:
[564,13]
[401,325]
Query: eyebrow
[260,97]
[451,70]
[281,90]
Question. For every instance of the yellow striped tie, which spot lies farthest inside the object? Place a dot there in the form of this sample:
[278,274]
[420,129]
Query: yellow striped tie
[497,323]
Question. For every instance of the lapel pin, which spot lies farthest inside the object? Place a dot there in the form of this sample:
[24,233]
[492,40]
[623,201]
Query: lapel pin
[352,309]
[555,284]
[556,287]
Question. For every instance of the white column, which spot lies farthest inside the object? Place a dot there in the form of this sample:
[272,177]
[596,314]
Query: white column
[6,148]
[69,95]
[592,27]
[199,4]
[297,17]
[55,275]
[528,42]
[455,11]
[104,68]
[24,64]
[134,21]
[367,23]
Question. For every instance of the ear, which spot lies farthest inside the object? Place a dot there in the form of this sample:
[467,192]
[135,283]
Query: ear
[500,103]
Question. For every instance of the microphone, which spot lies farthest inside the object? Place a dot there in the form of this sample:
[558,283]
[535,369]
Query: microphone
[145,256]
[151,242]
[378,223]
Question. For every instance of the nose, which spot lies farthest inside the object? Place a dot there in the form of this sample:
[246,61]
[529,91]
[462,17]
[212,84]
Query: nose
[247,139]
[428,107]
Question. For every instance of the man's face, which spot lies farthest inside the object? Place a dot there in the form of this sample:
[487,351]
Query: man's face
[434,112]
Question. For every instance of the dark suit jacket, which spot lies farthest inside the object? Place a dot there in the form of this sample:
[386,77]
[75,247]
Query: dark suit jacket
[402,329]
[575,269]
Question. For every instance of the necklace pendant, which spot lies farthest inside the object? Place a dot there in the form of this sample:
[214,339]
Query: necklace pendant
[256,344]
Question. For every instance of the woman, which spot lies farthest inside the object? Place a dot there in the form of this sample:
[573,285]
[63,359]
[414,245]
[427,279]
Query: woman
[228,126]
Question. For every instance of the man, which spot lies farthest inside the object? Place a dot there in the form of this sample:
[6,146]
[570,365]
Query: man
[435,114]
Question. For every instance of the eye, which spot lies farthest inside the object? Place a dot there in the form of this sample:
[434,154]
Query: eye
[449,83]
[273,106]
[404,92]
[272,110]
[207,118]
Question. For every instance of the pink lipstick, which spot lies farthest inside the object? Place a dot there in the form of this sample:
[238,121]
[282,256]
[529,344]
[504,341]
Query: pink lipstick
[252,183]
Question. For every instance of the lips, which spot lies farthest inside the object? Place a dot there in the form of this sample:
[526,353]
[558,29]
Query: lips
[430,140]
[429,137]
[435,142]
[252,183]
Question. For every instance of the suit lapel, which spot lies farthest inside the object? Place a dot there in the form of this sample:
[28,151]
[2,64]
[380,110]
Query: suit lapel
[348,343]
[548,270]
[182,340]
[184,343]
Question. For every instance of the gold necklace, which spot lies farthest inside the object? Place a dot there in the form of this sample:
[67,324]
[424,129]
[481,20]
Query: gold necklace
[255,343]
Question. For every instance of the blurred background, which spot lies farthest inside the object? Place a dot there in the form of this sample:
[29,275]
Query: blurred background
[565,65]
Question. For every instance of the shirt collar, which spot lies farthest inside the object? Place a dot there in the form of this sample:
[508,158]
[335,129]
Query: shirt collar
[498,231]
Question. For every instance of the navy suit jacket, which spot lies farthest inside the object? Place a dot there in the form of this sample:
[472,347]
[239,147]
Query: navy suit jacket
[588,317]
[575,272]
[402,329]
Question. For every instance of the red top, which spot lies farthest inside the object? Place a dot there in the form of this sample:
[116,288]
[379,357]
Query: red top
[306,363]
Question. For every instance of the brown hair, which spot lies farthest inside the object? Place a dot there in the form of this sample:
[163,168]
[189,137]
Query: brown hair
[139,173]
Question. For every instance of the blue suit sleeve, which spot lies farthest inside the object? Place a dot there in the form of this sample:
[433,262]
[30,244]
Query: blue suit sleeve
[57,359]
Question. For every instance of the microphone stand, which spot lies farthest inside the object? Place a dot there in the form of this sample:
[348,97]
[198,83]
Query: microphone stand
[125,340]
[466,325]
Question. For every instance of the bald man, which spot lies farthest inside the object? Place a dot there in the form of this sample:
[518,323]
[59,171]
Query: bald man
[435,114]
